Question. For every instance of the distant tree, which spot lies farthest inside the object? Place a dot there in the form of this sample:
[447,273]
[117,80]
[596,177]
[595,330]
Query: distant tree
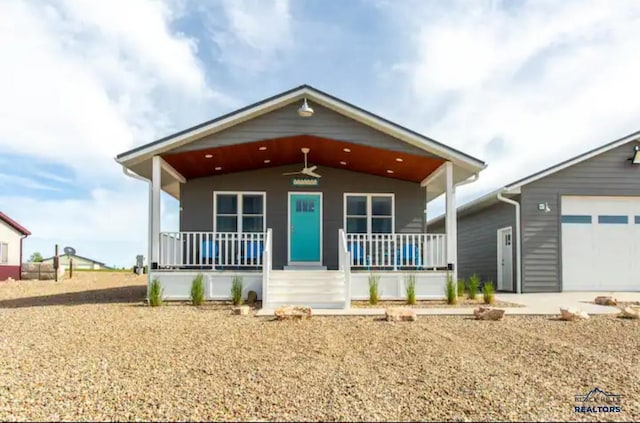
[36,257]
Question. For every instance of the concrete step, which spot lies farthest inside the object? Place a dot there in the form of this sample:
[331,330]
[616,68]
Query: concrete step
[280,289]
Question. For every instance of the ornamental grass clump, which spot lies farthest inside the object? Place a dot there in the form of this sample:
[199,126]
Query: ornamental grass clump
[411,289]
[155,293]
[197,290]
[236,290]
[472,287]
[374,295]
[487,292]
[460,287]
[450,290]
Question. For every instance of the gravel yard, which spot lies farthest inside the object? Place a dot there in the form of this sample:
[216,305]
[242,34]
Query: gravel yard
[88,349]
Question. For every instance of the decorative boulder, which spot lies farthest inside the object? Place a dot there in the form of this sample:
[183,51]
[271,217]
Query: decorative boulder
[241,310]
[488,313]
[400,314]
[571,314]
[605,300]
[292,312]
[252,297]
[630,313]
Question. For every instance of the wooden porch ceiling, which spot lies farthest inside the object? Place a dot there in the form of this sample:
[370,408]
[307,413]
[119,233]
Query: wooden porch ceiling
[286,151]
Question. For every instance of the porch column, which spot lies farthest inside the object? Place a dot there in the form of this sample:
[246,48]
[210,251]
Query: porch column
[451,221]
[156,175]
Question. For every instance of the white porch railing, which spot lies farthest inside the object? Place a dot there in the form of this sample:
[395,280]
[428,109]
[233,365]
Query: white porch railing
[266,268]
[344,260]
[393,251]
[211,249]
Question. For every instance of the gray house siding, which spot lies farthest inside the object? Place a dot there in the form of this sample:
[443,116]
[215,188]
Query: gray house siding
[478,241]
[285,122]
[197,203]
[608,174]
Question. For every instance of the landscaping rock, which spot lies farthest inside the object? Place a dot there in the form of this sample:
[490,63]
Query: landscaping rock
[630,313]
[488,313]
[252,297]
[571,314]
[293,312]
[241,310]
[605,300]
[400,314]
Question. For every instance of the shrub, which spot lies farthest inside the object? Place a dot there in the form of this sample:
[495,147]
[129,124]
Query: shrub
[197,290]
[236,290]
[487,292]
[410,287]
[460,287]
[374,295]
[450,290]
[155,293]
[472,286]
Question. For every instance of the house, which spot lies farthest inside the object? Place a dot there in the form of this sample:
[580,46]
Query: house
[79,262]
[572,227]
[302,195]
[11,236]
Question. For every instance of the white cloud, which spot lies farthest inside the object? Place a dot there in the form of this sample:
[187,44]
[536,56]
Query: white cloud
[255,34]
[548,79]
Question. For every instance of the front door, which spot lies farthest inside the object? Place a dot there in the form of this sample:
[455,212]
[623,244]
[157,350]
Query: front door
[305,227]
[505,258]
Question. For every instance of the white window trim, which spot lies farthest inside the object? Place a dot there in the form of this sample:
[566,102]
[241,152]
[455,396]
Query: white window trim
[4,249]
[369,216]
[240,215]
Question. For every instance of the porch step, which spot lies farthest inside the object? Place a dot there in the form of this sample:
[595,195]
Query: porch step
[305,267]
[315,288]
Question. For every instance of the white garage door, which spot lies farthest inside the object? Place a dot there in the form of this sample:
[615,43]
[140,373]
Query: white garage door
[600,243]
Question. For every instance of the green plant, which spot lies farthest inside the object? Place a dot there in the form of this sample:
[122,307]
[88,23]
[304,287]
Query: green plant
[450,290]
[236,290]
[410,287]
[374,295]
[460,287]
[472,286]
[487,292]
[197,290]
[155,293]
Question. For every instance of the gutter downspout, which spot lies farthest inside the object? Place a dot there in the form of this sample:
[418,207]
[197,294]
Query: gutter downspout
[149,232]
[518,256]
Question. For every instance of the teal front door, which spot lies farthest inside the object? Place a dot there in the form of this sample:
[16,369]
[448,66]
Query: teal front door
[304,227]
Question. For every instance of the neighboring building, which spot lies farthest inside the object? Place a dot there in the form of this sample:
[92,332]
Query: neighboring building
[301,236]
[11,236]
[578,230]
[79,262]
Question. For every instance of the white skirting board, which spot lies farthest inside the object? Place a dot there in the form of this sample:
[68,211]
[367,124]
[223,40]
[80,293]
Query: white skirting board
[177,284]
[392,285]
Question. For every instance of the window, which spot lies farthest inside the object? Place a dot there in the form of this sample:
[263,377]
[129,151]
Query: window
[4,253]
[239,212]
[369,213]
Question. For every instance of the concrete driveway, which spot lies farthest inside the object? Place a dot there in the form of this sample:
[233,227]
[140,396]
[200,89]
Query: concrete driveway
[550,303]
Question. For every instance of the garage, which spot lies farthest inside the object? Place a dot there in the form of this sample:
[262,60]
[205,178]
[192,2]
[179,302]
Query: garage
[600,243]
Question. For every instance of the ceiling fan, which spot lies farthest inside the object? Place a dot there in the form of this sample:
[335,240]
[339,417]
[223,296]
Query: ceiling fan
[306,170]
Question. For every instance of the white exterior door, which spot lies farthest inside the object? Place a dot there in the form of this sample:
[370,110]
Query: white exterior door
[505,259]
[600,243]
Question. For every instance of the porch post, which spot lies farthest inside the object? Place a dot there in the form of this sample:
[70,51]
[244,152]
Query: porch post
[451,221]
[156,174]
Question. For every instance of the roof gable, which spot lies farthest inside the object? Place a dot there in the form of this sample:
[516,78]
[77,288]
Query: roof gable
[14,225]
[265,106]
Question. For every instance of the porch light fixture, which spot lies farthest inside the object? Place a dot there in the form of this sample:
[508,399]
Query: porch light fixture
[635,159]
[218,168]
[304,110]
[389,171]
[208,156]
[399,160]
[346,150]
[343,163]
[262,148]
[267,161]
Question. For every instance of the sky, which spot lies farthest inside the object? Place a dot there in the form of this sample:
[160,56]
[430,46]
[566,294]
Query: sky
[519,84]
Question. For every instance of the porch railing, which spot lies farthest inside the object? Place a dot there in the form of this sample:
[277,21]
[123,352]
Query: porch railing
[211,249]
[393,251]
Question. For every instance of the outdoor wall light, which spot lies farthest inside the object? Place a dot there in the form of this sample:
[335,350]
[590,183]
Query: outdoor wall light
[635,159]
[305,110]
[544,207]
